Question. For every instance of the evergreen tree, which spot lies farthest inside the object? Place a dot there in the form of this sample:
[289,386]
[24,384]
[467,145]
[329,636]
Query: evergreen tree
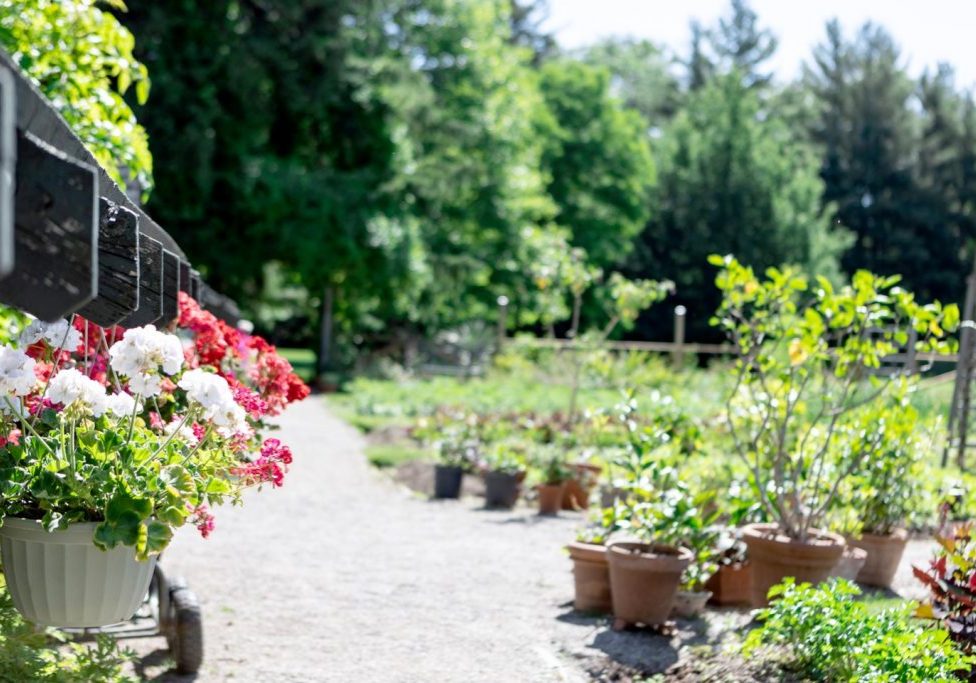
[731,179]
[740,44]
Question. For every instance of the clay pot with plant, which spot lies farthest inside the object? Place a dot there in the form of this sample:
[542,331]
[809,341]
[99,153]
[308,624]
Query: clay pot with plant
[809,367]
[695,531]
[554,475]
[732,581]
[591,573]
[883,498]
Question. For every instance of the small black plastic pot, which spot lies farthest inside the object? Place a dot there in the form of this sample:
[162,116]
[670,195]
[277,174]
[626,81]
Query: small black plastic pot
[501,489]
[447,481]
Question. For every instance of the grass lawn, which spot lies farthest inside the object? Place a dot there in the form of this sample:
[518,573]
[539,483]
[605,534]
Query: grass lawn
[302,360]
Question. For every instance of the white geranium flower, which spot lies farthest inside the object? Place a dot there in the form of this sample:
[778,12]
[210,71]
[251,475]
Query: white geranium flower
[16,372]
[146,385]
[141,353]
[120,404]
[182,431]
[213,393]
[60,334]
[71,387]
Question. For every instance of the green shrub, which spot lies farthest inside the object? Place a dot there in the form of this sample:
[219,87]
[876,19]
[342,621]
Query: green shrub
[833,637]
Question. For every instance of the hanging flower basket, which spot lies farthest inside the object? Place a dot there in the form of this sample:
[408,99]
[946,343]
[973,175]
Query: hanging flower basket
[61,578]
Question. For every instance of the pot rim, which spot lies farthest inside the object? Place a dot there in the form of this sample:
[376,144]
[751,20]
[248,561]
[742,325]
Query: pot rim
[649,551]
[769,532]
[78,533]
[898,534]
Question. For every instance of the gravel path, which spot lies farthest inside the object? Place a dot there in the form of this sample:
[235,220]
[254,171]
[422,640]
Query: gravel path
[342,575]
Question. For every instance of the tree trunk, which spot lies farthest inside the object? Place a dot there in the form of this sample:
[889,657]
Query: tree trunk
[324,358]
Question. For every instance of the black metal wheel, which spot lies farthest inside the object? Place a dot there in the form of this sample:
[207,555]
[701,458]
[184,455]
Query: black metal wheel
[185,632]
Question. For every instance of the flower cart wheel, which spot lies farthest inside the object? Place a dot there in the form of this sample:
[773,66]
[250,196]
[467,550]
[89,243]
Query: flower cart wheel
[185,632]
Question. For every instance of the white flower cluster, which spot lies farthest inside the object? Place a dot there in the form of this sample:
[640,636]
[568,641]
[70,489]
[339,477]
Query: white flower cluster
[60,334]
[141,353]
[17,376]
[70,387]
[213,393]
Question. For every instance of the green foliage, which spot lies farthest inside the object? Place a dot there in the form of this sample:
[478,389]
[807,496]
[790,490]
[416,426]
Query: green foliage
[597,159]
[81,58]
[886,494]
[951,580]
[27,655]
[392,455]
[763,198]
[807,373]
[833,637]
[552,466]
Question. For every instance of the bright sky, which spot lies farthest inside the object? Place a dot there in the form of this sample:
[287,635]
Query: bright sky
[928,31]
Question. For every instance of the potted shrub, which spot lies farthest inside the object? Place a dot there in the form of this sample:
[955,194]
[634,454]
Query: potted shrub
[886,494]
[554,476]
[504,470]
[699,537]
[457,448]
[95,481]
[731,582]
[809,365]
[591,574]
[576,493]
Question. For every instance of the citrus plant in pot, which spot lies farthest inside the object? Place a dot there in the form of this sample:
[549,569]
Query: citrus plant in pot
[886,494]
[554,475]
[810,364]
[93,481]
[690,527]
[504,471]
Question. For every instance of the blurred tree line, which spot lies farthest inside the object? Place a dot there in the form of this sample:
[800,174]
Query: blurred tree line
[381,170]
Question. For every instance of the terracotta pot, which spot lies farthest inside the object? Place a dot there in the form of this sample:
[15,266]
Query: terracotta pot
[689,604]
[850,563]
[447,481]
[731,584]
[550,498]
[775,556]
[61,578]
[576,496]
[591,577]
[501,489]
[884,556]
[644,579]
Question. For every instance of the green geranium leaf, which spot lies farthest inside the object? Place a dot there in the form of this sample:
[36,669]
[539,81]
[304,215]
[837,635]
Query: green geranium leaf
[124,528]
[122,504]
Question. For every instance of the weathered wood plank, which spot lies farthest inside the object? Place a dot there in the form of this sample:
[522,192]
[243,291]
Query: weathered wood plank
[36,116]
[185,285]
[55,232]
[171,286]
[118,266]
[195,284]
[8,167]
[150,284]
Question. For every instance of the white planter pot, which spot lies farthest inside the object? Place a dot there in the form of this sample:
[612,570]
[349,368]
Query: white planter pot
[62,579]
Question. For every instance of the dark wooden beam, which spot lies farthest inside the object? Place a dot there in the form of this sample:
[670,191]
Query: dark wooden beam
[8,167]
[150,284]
[118,266]
[221,306]
[185,285]
[171,286]
[55,232]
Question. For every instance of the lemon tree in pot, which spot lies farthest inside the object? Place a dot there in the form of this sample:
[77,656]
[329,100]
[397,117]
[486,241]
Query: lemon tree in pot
[810,363]
[93,482]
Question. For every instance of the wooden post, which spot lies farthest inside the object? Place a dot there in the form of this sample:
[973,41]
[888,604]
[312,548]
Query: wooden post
[324,360]
[502,322]
[678,355]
